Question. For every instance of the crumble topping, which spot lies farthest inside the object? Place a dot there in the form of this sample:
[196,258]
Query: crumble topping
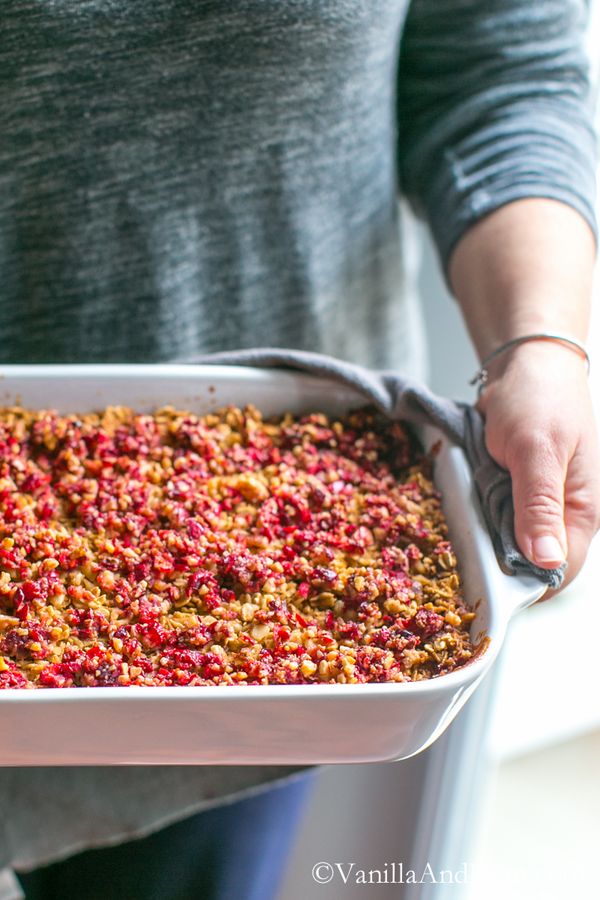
[176,549]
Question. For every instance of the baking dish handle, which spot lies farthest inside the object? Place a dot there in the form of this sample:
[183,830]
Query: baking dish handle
[523,591]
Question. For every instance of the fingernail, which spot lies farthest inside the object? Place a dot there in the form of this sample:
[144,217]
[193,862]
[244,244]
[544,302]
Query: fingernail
[547,550]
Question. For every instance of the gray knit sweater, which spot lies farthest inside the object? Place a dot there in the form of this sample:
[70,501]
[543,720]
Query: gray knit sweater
[179,176]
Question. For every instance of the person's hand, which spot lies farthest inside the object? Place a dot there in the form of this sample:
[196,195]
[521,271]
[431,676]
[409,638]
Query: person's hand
[540,426]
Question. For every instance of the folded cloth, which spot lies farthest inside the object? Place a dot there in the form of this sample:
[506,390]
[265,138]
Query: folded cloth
[400,397]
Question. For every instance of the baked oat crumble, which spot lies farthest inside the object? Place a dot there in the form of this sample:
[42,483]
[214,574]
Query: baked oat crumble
[176,549]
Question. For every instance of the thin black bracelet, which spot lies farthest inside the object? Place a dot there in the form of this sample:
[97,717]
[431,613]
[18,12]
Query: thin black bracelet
[481,376]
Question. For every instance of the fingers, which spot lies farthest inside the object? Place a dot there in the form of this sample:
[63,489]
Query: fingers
[578,538]
[582,503]
[539,424]
[556,499]
[538,475]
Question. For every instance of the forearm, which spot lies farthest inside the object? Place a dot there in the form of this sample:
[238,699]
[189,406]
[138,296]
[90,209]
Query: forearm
[527,267]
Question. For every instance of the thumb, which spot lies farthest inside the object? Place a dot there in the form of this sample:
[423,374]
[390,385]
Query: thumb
[538,478]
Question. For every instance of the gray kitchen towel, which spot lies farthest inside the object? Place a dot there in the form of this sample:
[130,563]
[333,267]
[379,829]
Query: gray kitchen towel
[400,397]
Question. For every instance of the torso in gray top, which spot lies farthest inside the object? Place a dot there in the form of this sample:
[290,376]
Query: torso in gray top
[181,176]
[178,176]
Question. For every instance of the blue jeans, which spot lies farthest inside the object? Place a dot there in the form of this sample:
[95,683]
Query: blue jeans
[232,852]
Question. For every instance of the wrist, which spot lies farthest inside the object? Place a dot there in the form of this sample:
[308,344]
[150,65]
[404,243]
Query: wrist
[527,267]
[530,358]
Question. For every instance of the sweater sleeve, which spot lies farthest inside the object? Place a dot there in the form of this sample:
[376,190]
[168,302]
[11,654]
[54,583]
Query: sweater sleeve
[494,105]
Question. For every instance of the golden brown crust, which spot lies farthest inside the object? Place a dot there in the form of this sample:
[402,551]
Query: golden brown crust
[221,549]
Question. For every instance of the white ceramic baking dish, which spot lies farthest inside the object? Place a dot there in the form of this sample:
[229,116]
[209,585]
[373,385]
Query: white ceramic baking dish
[255,724]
